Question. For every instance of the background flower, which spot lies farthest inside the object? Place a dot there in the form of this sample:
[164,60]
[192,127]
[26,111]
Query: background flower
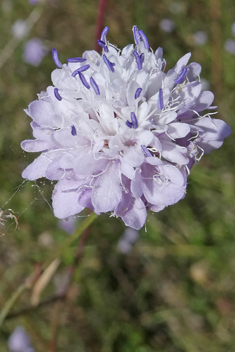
[34,51]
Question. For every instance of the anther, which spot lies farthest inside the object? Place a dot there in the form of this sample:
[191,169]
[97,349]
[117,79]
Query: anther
[56,58]
[136,35]
[138,92]
[104,33]
[108,63]
[80,69]
[134,120]
[144,39]
[181,75]
[73,131]
[138,60]
[94,86]
[83,80]
[102,44]
[76,59]
[160,99]
[129,124]
[57,95]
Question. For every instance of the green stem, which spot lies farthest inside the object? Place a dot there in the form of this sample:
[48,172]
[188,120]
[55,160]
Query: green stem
[11,302]
[77,233]
[29,283]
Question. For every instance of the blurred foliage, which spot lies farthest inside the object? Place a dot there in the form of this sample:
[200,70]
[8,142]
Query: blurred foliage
[175,291]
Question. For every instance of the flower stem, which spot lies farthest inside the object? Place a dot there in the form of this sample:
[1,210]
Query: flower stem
[31,281]
[99,25]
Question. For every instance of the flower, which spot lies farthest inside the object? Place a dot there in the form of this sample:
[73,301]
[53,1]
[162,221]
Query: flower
[229,46]
[19,341]
[200,37]
[167,25]
[34,51]
[118,133]
[126,241]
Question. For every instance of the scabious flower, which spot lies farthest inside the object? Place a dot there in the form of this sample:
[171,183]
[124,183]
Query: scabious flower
[167,25]
[19,341]
[126,241]
[229,46]
[34,51]
[200,37]
[118,133]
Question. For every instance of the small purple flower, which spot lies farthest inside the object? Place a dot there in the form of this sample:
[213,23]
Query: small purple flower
[124,142]
[229,46]
[167,25]
[200,37]
[19,341]
[34,51]
[33,2]
[67,225]
[129,237]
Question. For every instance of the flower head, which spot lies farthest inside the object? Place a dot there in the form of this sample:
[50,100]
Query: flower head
[34,51]
[118,133]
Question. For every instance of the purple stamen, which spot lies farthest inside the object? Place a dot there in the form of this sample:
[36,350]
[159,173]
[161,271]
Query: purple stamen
[138,92]
[142,57]
[102,44]
[134,120]
[83,80]
[138,60]
[145,151]
[129,124]
[104,33]
[181,75]
[108,63]
[144,38]
[56,58]
[136,35]
[94,86]
[76,59]
[57,95]
[73,130]
[160,99]
[80,69]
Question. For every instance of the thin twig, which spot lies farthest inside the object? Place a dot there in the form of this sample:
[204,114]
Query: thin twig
[30,309]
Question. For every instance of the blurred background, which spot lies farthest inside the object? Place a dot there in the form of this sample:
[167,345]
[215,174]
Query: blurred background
[169,287]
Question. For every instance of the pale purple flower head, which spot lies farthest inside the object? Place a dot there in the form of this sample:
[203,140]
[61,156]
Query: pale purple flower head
[19,341]
[167,25]
[126,241]
[229,46]
[34,51]
[118,133]
[200,37]
[67,225]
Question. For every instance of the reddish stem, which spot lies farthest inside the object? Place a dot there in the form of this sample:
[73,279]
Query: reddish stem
[100,19]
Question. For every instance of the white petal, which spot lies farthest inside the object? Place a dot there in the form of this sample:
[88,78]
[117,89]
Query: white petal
[107,191]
